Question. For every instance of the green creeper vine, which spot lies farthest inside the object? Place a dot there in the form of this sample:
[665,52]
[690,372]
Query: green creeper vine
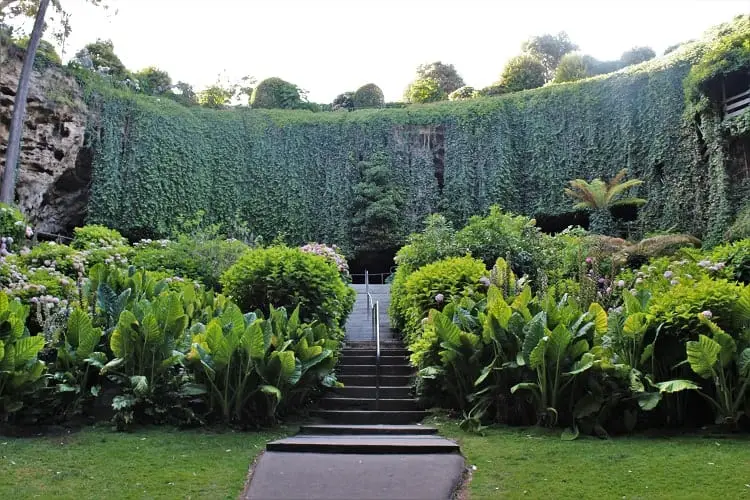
[292,171]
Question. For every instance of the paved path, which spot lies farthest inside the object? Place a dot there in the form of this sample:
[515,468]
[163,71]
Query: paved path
[359,453]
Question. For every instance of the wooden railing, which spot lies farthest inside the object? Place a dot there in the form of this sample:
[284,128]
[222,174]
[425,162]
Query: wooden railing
[736,104]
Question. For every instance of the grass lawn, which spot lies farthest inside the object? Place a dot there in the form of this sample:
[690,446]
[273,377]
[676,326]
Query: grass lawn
[535,463]
[148,463]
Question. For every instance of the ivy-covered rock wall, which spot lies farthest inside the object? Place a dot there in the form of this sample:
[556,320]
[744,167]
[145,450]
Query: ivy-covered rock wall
[293,172]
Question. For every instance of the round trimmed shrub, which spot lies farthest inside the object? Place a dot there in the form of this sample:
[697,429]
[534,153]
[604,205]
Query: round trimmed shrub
[287,277]
[368,96]
[12,224]
[274,93]
[434,285]
[96,235]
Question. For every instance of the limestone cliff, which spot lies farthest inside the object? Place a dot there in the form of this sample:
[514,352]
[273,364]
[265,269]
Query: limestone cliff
[55,168]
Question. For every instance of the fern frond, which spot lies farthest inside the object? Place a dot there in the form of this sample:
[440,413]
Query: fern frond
[631,202]
[618,178]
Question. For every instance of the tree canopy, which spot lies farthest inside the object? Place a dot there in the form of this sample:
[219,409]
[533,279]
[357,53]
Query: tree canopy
[522,73]
[549,50]
[445,75]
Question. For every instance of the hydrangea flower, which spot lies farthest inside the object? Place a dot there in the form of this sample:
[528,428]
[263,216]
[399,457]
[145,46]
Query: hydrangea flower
[439,298]
[707,314]
[668,274]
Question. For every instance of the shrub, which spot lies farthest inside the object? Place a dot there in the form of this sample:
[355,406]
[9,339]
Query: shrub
[275,93]
[12,225]
[522,73]
[368,96]
[736,256]
[50,254]
[332,255]
[740,228]
[96,235]
[202,259]
[288,277]
[637,55]
[513,237]
[435,285]
[20,369]
[424,90]
[465,92]
[572,67]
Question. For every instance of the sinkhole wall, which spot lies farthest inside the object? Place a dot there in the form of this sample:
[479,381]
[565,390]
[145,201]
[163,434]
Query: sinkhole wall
[293,172]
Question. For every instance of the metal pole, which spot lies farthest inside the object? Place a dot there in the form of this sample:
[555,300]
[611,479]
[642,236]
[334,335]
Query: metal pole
[376,311]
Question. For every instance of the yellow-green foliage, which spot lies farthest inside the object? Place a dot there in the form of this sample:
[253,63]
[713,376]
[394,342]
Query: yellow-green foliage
[434,285]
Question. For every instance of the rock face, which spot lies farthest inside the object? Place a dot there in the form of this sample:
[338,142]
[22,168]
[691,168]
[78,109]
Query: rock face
[54,168]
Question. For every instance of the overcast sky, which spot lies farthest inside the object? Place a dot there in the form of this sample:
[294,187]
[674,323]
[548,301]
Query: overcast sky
[331,46]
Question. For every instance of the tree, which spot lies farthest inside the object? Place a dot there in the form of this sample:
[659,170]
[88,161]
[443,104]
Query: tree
[100,56]
[45,50]
[445,75]
[276,93]
[549,50]
[377,207]
[183,93]
[495,89]
[224,91]
[637,55]
[7,190]
[154,81]
[368,96]
[424,90]
[465,92]
[14,8]
[600,197]
[343,101]
[522,73]
[572,67]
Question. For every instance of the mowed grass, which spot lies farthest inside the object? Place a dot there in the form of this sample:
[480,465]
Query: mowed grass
[147,463]
[535,463]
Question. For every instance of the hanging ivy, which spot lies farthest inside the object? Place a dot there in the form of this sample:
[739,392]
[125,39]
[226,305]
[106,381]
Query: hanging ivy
[293,172]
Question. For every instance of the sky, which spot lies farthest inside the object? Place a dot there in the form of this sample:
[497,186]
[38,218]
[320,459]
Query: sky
[331,46]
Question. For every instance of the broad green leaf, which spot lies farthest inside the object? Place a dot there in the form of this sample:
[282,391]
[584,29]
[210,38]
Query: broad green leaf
[2,349]
[703,355]
[570,433]
[743,363]
[121,337]
[635,325]
[139,383]
[288,364]
[587,405]
[254,340]
[82,334]
[96,359]
[599,317]
[151,331]
[271,390]
[485,372]
[648,400]
[728,347]
[123,401]
[677,385]
[26,349]
[583,364]
[559,340]
[115,363]
[533,334]
[537,356]
[648,351]
[528,386]
[446,329]
[296,374]
[578,349]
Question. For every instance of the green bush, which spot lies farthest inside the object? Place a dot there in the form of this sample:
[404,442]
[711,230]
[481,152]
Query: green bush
[523,72]
[96,235]
[465,92]
[512,237]
[275,93]
[736,256]
[21,372]
[12,225]
[368,96]
[202,259]
[740,228]
[434,285]
[50,254]
[288,277]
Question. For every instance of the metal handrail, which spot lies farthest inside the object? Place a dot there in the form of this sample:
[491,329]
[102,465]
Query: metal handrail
[376,334]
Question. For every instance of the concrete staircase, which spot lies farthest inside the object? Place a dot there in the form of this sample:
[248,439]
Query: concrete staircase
[360,401]
[364,442]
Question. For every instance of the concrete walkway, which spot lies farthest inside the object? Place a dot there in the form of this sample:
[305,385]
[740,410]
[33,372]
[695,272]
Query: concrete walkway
[367,447]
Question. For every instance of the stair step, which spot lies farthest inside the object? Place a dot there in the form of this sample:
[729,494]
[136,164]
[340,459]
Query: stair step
[368,429]
[369,380]
[370,370]
[368,404]
[348,359]
[358,417]
[366,444]
[371,352]
[369,392]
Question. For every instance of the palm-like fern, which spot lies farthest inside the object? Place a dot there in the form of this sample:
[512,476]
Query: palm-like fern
[601,195]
